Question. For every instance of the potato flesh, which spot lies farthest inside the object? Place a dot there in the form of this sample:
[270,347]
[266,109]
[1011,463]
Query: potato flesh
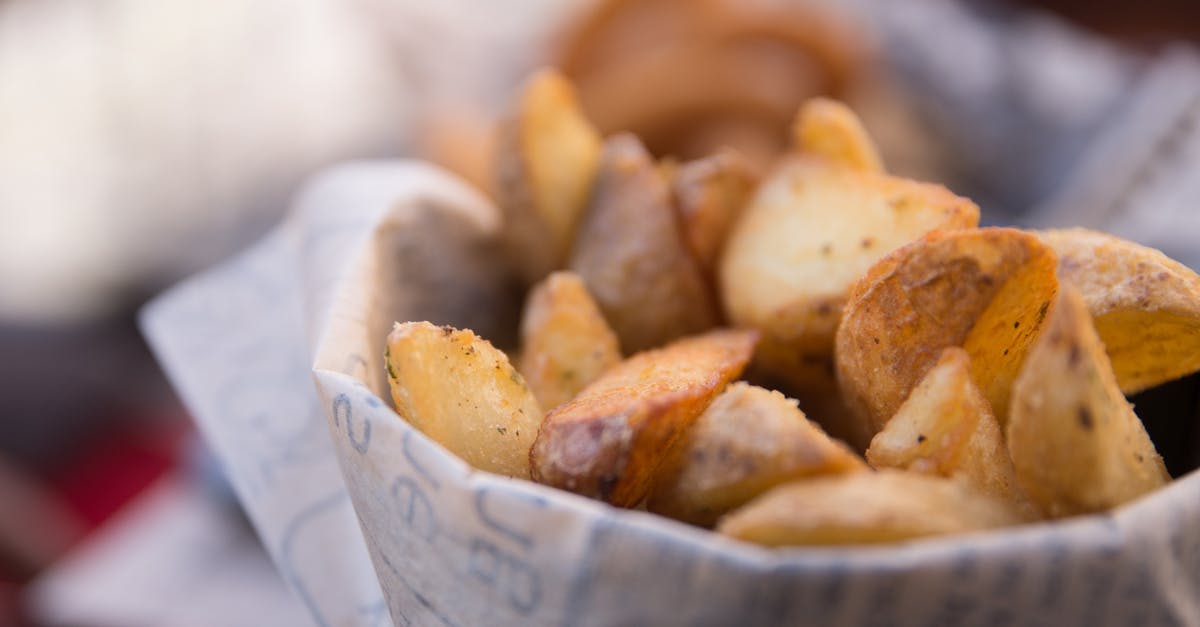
[830,129]
[565,342]
[1146,305]
[810,232]
[749,440]
[1075,442]
[865,508]
[930,295]
[548,155]
[610,440]
[632,256]
[946,428]
[459,390]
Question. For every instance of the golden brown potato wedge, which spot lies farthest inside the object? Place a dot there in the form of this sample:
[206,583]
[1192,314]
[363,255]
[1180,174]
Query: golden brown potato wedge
[986,290]
[1075,442]
[461,391]
[946,428]
[749,440]
[811,230]
[709,194]
[565,342]
[547,155]
[1146,305]
[830,129]
[865,508]
[632,256]
[610,440]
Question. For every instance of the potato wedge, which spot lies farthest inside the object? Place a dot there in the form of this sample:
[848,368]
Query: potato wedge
[710,194]
[811,230]
[610,440]
[749,440]
[547,155]
[565,342]
[946,428]
[632,256]
[865,508]
[986,290]
[1075,442]
[830,129]
[461,391]
[1146,305]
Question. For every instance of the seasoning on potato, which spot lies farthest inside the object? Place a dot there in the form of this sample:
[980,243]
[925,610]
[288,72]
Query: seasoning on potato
[565,342]
[461,391]
[865,508]
[1075,442]
[1146,305]
[610,440]
[986,290]
[749,440]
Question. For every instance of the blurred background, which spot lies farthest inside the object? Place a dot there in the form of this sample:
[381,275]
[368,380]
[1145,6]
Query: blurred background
[144,140]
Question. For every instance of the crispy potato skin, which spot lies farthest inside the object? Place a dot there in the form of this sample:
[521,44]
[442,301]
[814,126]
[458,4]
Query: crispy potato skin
[565,342]
[865,508]
[812,229]
[461,391]
[710,194]
[547,154]
[1146,305]
[946,428]
[632,256]
[830,129]
[1075,442]
[749,440]
[984,289]
[610,440]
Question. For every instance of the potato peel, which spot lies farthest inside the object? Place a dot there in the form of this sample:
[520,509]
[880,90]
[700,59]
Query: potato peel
[610,440]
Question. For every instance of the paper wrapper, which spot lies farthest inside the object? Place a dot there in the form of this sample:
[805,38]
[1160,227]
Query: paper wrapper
[370,521]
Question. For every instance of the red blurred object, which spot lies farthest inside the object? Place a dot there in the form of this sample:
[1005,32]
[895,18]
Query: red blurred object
[117,465]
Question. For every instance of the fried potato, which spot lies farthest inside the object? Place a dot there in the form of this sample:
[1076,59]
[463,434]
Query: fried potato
[946,428]
[632,256]
[1075,442]
[986,290]
[811,230]
[709,194]
[546,163]
[1146,305]
[461,391]
[749,440]
[610,440]
[865,508]
[565,342]
[830,129]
